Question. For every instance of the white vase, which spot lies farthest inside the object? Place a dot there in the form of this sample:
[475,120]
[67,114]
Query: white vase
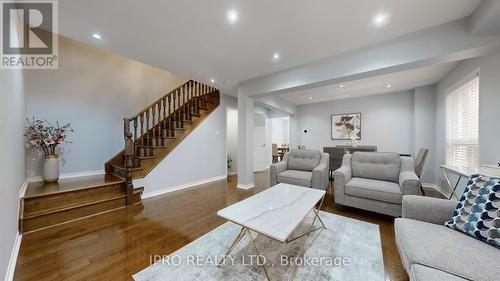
[51,168]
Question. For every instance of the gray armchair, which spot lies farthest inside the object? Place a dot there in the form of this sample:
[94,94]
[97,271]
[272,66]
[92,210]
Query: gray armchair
[375,181]
[431,251]
[302,167]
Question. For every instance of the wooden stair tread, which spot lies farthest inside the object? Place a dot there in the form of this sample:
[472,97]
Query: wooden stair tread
[90,202]
[57,210]
[38,189]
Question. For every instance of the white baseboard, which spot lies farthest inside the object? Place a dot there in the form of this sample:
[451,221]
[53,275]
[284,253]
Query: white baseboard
[245,186]
[179,187]
[22,191]
[13,258]
[71,175]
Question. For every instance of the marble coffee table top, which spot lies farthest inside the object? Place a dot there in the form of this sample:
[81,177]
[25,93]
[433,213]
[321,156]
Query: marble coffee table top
[274,212]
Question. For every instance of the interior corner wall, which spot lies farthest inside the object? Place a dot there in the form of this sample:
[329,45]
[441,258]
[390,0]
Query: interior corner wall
[489,104]
[12,169]
[386,121]
[424,108]
[93,90]
[201,156]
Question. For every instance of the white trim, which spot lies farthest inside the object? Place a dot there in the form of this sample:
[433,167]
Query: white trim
[22,191]
[71,175]
[245,186]
[9,276]
[182,186]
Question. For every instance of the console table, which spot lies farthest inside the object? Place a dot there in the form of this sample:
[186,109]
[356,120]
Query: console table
[465,172]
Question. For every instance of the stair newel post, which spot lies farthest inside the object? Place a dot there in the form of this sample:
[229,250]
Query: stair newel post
[128,161]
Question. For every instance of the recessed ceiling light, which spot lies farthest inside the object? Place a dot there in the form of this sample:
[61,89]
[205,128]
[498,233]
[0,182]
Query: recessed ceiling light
[212,80]
[310,98]
[276,56]
[389,85]
[380,19]
[96,36]
[341,86]
[232,16]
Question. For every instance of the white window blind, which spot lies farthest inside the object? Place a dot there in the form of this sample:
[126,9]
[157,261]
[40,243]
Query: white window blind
[462,124]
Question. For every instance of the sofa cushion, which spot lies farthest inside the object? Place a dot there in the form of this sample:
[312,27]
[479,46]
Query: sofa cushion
[424,273]
[374,189]
[303,160]
[296,177]
[478,211]
[383,166]
[439,247]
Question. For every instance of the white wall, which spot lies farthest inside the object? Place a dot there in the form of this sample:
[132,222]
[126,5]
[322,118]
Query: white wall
[12,168]
[489,104]
[386,121]
[93,90]
[232,138]
[280,130]
[200,156]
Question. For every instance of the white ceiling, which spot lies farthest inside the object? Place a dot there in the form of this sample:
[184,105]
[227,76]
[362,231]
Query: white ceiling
[193,38]
[399,81]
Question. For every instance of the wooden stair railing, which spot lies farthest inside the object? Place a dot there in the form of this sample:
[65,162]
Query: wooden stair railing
[150,127]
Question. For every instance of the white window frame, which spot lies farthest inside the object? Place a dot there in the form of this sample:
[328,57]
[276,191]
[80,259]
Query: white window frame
[449,141]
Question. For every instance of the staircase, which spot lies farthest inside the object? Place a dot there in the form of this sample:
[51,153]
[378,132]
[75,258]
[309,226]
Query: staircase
[149,137]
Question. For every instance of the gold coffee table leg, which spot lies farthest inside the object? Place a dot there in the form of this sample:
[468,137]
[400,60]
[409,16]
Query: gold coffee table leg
[235,242]
[258,254]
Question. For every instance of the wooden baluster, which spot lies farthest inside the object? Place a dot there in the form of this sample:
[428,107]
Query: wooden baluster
[153,131]
[199,96]
[178,117]
[142,132]
[135,128]
[158,124]
[190,99]
[147,136]
[169,123]
[186,103]
[164,120]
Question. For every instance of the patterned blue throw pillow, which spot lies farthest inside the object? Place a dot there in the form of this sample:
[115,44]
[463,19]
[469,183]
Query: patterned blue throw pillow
[478,211]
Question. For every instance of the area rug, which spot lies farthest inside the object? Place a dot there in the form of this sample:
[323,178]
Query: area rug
[347,250]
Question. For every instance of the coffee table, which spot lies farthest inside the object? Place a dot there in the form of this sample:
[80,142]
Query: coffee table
[275,212]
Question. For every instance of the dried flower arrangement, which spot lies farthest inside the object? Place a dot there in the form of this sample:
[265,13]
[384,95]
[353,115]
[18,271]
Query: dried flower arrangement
[45,137]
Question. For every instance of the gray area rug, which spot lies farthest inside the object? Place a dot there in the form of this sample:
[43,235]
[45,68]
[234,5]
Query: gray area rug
[347,250]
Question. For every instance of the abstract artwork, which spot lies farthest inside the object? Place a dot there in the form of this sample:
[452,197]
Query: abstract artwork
[346,126]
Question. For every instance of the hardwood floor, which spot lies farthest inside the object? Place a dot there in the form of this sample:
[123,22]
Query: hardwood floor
[115,245]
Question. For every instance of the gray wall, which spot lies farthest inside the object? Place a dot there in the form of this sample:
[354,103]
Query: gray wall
[489,104]
[93,90]
[386,121]
[424,109]
[12,169]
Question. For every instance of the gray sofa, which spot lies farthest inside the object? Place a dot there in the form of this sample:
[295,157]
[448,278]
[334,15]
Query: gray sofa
[375,181]
[431,251]
[302,167]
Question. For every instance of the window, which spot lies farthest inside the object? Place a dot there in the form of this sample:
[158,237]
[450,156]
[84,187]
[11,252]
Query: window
[462,124]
